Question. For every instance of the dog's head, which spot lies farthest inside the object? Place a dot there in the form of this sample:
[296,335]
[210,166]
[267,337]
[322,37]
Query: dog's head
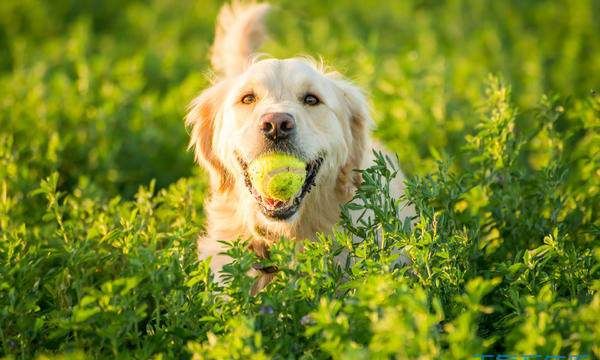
[289,106]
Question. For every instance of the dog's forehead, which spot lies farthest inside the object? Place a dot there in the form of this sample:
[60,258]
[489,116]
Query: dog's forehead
[274,72]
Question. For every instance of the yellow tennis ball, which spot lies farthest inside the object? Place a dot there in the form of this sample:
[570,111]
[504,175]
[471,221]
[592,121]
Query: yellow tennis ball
[277,176]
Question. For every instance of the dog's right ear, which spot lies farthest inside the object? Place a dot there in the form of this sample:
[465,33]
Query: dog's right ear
[200,119]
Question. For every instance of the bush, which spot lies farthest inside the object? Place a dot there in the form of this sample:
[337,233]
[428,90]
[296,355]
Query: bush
[100,204]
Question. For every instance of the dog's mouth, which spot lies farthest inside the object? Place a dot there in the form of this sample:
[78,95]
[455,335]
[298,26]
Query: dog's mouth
[277,209]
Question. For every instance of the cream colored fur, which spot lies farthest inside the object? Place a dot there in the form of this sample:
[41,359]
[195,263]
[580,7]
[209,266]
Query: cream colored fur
[238,33]
[221,127]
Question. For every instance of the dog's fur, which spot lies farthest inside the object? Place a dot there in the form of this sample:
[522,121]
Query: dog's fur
[225,134]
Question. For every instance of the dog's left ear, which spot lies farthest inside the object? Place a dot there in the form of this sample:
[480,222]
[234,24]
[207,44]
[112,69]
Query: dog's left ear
[361,122]
[201,117]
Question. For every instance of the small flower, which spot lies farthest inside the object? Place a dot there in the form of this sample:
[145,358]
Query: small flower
[266,310]
[306,320]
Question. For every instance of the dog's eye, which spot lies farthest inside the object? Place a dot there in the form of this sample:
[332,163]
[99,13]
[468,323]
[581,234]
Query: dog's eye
[310,99]
[248,99]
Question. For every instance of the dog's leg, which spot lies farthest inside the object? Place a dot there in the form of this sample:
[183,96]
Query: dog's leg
[210,248]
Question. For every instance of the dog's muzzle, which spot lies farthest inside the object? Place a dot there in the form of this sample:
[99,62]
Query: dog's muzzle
[281,210]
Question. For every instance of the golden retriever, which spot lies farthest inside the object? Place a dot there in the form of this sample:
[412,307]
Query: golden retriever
[263,105]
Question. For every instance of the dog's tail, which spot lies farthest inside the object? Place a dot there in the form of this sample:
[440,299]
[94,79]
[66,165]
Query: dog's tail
[239,32]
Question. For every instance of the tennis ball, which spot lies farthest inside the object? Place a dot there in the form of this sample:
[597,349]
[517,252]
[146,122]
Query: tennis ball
[277,176]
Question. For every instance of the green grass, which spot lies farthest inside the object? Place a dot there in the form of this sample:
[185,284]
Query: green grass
[492,107]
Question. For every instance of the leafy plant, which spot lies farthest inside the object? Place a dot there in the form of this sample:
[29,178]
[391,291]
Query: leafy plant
[100,205]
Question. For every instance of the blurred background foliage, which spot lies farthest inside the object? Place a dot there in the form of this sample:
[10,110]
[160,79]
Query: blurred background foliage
[100,202]
[99,86]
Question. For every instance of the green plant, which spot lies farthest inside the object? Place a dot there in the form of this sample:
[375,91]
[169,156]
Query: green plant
[100,204]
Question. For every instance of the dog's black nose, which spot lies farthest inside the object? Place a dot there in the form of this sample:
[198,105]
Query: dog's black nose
[277,125]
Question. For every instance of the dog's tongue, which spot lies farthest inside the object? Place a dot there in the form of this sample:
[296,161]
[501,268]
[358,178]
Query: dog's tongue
[273,202]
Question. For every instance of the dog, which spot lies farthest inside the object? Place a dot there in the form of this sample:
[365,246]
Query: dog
[259,105]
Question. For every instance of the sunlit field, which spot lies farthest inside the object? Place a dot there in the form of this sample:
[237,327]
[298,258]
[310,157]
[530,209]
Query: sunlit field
[493,108]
